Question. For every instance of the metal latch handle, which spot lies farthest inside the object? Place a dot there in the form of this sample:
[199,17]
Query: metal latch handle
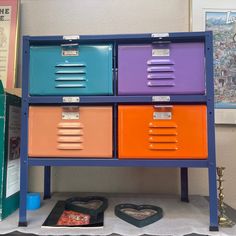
[162,106]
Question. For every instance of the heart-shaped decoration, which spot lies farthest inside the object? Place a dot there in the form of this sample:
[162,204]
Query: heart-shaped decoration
[138,215]
[92,205]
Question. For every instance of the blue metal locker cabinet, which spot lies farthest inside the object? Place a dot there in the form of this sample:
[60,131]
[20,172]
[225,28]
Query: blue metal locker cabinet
[71,69]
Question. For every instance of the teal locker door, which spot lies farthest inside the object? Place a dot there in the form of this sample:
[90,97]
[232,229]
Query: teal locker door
[71,70]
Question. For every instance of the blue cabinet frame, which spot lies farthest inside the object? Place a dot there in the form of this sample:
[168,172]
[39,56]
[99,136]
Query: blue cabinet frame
[114,100]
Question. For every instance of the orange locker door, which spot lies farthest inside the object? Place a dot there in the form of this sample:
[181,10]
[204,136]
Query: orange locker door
[70,131]
[162,132]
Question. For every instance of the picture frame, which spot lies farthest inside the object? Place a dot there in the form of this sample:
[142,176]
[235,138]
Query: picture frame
[220,18]
[9,24]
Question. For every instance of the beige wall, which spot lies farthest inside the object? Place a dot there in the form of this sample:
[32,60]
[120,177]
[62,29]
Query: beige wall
[63,17]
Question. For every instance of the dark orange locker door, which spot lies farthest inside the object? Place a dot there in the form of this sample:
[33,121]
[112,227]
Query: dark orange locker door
[156,132]
[70,131]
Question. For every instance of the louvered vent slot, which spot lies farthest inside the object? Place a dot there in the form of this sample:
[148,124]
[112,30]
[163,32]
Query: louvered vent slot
[70,75]
[160,73]
[163,136]
[70,136]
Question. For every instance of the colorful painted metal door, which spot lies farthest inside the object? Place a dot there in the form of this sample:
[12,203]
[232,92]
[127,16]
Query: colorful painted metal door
[162,132]
[71,70]
[70,131]
[170,68]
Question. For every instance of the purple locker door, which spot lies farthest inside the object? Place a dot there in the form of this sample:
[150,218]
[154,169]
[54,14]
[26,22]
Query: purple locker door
[173,68]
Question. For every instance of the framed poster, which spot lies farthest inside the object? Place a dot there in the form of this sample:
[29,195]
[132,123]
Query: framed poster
[9,14]
[220,17]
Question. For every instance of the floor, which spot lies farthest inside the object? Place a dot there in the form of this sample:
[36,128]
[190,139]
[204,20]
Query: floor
[183,217]
[19,233]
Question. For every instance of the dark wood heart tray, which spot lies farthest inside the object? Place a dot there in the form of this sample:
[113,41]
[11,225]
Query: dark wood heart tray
[92,205]
[139,215]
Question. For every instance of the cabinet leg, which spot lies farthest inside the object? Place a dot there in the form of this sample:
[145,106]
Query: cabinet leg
[184,184]
[23,193]
[47,182]
[213,198]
